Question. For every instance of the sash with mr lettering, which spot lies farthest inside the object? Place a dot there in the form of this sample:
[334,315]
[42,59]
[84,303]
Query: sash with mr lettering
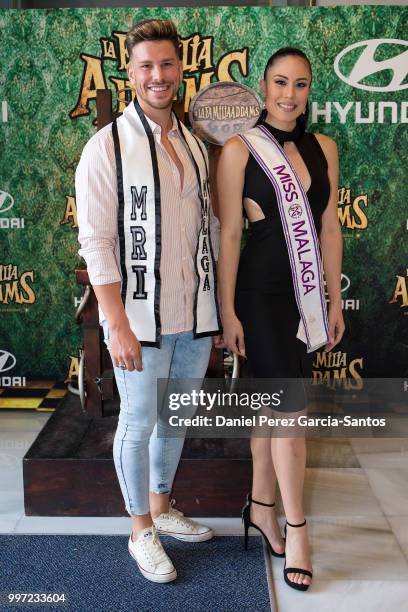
[139,229]
[300,235]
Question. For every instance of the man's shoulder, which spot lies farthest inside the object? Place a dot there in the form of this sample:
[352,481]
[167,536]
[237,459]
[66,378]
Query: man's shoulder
[101,141]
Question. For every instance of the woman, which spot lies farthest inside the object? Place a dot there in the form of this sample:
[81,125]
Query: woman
[263,291]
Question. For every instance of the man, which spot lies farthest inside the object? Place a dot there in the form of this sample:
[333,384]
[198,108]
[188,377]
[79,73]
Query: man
[148,236]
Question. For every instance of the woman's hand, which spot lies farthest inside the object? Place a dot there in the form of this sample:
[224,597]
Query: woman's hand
[233,334]
[218,342]
[336,326]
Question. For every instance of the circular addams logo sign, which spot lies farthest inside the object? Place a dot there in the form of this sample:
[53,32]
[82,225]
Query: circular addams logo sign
[7,361]
[6,201]
[223,109]
[380,65]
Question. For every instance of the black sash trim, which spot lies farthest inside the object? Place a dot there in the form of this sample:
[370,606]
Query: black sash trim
[121,206]
[207,334]
[200,195]
[157,201]
[202,146]
[214,266]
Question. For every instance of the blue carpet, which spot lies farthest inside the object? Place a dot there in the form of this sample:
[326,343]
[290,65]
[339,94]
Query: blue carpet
[97,574]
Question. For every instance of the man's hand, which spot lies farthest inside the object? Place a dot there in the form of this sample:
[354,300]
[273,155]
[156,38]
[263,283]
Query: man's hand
[125,348]
[123,345]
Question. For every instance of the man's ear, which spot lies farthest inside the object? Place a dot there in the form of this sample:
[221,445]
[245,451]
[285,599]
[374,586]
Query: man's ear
[130,71]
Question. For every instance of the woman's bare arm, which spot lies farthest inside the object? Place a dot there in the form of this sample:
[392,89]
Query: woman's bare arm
[230,184]
[332,244]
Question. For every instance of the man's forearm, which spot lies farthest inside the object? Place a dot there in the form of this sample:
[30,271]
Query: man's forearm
[110,301]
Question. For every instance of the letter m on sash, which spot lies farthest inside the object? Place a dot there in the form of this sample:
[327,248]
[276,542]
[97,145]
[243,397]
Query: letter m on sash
[138,201]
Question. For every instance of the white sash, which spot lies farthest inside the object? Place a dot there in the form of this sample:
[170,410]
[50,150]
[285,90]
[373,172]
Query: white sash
[139,229]
[300,234]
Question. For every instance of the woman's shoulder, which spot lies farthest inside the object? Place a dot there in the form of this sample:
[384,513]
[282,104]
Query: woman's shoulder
[234,142]
[326,144]
[235,150]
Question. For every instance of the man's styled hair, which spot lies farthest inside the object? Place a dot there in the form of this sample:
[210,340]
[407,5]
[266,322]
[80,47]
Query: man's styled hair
[151,30]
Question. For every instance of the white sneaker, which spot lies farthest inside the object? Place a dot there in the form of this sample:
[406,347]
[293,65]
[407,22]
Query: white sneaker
[151,557]
[174,523]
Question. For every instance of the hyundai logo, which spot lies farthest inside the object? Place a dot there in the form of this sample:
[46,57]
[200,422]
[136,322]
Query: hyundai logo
[7,361]
[366,65]
[6,201]
[345,283]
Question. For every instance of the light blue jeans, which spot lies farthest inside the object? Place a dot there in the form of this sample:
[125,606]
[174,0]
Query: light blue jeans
[144,458]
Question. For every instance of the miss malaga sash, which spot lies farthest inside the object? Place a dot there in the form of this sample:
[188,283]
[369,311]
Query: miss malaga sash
[300,234]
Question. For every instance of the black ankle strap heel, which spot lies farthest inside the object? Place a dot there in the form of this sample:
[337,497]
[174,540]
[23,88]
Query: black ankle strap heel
[253,501]
[293,525]
[298,525]
[296,570]
[246,519]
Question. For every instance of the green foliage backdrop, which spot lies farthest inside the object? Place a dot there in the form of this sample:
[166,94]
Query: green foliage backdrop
[40,144]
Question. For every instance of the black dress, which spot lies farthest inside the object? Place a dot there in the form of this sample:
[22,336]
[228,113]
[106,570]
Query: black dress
[265,299]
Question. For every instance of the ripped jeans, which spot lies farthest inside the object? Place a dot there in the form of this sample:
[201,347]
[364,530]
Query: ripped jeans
[143,460]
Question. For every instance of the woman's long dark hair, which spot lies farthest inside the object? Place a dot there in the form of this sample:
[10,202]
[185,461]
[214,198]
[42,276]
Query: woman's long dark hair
[280,53]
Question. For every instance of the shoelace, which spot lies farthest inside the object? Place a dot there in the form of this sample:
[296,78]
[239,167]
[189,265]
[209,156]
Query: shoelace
[180,518]
[155,539]
[158,555]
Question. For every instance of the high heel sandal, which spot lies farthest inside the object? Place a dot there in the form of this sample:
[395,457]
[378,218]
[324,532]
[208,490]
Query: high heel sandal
[296,570]
[246,519]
